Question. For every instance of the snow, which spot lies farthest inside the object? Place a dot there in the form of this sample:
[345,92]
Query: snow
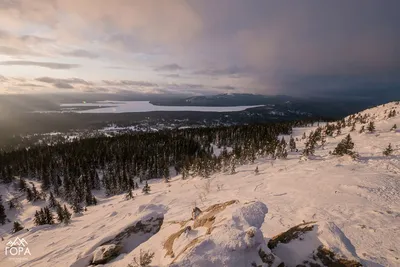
[145,106]
[355,203]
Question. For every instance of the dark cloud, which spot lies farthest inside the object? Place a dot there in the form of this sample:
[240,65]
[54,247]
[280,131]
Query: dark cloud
[169,67]
[81,53]
[49,65]
[63,85]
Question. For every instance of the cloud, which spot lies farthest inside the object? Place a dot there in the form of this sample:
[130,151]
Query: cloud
[29,85]
[130,83]
[49,65]
[233,70]
[63,85]
[67,80]
[6,50]
[172,75]
[269,46]
[169,67]
[13,44]
[81,53]
[226,87]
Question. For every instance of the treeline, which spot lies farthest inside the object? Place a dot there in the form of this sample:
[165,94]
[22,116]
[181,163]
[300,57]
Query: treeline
[71,170]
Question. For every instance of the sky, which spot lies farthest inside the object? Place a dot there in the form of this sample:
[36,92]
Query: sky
[199,47]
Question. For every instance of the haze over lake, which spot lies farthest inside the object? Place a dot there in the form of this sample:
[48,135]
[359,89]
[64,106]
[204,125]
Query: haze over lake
[140,106]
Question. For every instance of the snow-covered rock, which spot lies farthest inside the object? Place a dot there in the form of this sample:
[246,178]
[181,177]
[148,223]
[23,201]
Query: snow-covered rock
[105,253]
[226,234]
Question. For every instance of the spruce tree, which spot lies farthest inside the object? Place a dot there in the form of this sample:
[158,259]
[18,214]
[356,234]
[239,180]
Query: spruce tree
[388,151]
[233,167]
[146,189]
[67,216]
[17,227]
[129,195]
[362,129]
[94,201]
[22,184]
[345,147]
[29,194]
[292,144]
[48,215]
[394,127]
[52,201]
[3,215]
[60,213]
[256,171]
[76,206]
[371,127]
[353,127]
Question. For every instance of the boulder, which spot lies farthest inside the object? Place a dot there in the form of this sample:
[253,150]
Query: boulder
[105,253]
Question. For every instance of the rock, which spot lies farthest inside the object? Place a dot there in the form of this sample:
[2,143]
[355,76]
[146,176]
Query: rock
[105,253]
[195,213]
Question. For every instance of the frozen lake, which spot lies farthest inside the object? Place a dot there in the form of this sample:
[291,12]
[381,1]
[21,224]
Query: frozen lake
[141,106]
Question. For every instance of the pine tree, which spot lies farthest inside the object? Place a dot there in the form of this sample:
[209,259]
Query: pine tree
[60,213]
[29,194]
[339,131]
[76,206]
[67,215]
[3,215]
[17,227]
[52,201]
[371,127]
[353,127]
[233,167]
[292,144]
[394,127]
[48,215]
[38,220]
[129,195]
[362,129]
[94,201]
[388,151]
[345,147]
[256,171]
[146,189]
[35,193]
[22,184]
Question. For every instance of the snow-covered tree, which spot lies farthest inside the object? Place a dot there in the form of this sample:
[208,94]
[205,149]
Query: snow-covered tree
[146,189]
[388,151]
[371,127]
[67,215]
[292,144]
[345,147]
[17,227]
[52,201]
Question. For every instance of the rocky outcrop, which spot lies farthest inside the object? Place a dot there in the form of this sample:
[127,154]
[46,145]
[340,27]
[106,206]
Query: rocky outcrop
[104,254]
[230,230]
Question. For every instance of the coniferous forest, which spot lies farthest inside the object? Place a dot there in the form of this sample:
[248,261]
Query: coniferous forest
[71,170]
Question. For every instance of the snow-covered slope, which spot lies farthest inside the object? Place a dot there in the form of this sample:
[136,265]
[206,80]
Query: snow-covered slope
[351,207]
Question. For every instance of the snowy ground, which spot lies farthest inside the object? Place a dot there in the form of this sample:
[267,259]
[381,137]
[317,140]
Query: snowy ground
[358,201]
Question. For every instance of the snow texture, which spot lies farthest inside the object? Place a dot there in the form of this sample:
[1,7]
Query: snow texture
[355,203]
